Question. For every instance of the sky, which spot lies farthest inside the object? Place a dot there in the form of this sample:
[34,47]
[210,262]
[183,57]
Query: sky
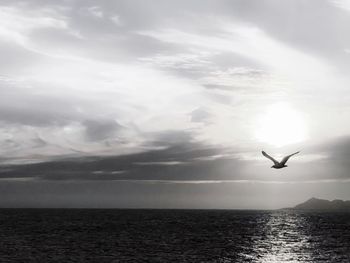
[168,104]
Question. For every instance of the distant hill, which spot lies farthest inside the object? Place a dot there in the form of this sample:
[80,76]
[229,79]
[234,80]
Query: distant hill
[322,204]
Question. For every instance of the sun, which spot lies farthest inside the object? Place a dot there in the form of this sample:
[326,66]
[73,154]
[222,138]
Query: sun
[281,125]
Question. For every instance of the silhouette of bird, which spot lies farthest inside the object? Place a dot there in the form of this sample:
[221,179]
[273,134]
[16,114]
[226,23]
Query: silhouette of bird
[281,164]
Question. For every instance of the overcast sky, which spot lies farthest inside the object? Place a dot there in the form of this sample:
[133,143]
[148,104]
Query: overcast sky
[168,104]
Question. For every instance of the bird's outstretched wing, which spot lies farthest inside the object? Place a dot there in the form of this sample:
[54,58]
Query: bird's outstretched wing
[269,157]
[285,159]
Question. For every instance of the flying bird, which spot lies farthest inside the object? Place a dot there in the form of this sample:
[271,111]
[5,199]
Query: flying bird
[281,164]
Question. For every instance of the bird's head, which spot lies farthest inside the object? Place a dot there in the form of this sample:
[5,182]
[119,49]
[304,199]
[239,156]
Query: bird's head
[273,166]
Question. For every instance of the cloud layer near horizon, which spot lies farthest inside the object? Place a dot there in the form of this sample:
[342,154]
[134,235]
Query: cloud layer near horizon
[184,161]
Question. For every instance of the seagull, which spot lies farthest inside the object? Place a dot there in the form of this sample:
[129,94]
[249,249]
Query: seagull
[281,164]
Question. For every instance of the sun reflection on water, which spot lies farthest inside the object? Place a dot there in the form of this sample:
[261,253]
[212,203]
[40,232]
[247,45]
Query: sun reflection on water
[285,240]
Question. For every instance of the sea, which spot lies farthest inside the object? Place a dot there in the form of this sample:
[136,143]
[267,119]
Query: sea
[136,235]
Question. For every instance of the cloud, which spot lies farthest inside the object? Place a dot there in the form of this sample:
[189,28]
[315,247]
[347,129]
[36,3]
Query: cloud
[336,152]
[126,103]
[344,4]
[180,159]
[125,77]
[96,11]
[183,161]
[200,115]
[101,129]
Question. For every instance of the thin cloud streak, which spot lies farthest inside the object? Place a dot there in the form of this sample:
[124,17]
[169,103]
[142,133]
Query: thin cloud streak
[322,181]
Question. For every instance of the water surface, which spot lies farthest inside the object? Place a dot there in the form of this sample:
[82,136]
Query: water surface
[73,235]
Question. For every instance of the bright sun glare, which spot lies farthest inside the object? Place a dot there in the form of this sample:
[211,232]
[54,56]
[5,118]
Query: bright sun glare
[281,125]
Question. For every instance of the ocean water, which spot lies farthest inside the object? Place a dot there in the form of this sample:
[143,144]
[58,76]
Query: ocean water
[73,235]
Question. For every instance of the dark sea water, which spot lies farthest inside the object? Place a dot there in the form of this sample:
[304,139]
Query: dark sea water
[50,235]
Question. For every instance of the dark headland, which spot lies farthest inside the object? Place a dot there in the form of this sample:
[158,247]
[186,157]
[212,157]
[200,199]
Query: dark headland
[323,204]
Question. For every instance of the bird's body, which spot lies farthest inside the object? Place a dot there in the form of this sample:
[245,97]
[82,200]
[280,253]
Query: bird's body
[278,166]
[281,164]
